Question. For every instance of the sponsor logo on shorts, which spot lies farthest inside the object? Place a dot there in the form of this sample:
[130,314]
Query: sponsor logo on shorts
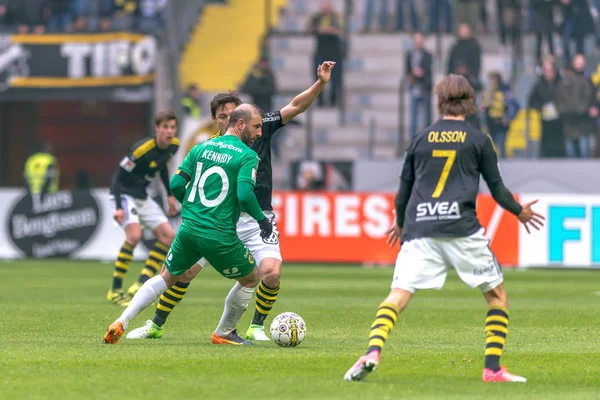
[134,211]
[483,271]
[438,211]
[231,272]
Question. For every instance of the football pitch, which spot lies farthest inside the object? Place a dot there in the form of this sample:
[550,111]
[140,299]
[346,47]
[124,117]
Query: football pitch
[54,315]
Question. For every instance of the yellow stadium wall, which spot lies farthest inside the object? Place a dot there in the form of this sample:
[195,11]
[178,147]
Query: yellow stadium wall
[225,43]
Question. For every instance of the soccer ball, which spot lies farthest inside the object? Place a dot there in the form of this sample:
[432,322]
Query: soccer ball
[288,329]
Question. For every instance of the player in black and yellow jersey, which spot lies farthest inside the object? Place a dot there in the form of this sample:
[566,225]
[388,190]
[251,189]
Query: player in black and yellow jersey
[133,207]
[265,251]
[437,221]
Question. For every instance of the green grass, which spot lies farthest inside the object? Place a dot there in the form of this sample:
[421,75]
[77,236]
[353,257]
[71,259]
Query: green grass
[54,315]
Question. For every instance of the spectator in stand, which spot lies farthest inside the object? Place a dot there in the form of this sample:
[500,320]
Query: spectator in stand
[578,23]
[579,66]
[485,27]
[465,57]
[510,21]
[191,102]
[543,99]
[326,25]
[125,13]
[310,176]
[385,13]
[500,108]
[412,12]
[31,16]
[6,16]
[260,84]
[542,24]
[435,6]
[93,15]
[574,100]
[468,12]
[150,16]
[62,15]
[419,78]
[465,60]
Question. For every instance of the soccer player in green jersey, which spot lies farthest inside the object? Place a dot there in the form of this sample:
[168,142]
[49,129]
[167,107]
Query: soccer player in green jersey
[265,251]
[214,184]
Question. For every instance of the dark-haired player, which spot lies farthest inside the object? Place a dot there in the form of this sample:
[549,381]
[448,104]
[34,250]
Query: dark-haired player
[133,207]
[266,251]
[436,219]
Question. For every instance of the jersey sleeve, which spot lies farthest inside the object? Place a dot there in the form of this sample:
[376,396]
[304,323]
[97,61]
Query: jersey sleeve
[187,165]
[174,146]
[408,168]
[488,162]
[248,169]
[271,123]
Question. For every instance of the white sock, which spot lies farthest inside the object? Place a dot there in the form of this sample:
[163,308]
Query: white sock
[149,292]
[235,306]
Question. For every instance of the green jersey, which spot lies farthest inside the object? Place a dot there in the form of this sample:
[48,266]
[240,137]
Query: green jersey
[215,167]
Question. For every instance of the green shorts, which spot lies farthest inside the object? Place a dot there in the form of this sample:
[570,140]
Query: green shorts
[230,258]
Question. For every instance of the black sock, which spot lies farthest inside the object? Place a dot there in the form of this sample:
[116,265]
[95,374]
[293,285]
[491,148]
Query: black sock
[168,301]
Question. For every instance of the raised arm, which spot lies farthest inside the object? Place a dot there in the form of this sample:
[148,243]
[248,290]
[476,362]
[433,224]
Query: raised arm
[304,100]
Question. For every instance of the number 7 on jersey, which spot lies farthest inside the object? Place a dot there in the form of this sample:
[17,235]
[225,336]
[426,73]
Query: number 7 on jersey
[450,156]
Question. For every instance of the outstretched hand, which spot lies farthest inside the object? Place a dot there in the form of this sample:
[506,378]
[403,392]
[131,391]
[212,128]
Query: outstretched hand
[530,217]
[324,71]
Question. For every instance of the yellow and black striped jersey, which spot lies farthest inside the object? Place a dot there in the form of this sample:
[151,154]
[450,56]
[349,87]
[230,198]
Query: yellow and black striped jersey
[141,164]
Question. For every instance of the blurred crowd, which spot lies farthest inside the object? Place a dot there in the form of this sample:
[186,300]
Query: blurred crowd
[565,96]
[53,16]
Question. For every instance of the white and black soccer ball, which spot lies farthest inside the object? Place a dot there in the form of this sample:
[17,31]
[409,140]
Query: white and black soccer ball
[288,329]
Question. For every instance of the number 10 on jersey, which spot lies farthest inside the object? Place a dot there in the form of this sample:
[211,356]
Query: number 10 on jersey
[200,182]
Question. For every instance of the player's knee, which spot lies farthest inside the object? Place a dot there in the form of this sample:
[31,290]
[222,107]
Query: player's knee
[250,280]
[270,271]
[399,298]
[133,234]
[497,296]
[190,274]
[165,234]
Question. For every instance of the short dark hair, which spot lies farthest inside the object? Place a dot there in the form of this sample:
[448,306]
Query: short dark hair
[455,96]
[223,98]
[244,113]
[164,116]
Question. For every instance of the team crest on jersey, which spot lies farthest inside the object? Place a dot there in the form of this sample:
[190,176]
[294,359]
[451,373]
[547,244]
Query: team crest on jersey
[152,164]
[127,164]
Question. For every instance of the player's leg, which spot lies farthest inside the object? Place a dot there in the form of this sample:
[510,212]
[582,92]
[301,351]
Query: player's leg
[133,235]
[234,261]
[236,304]
[477,266]
[267,254]
[419,266]
[153,329]
[153,217]
[181,256]
[266,296]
